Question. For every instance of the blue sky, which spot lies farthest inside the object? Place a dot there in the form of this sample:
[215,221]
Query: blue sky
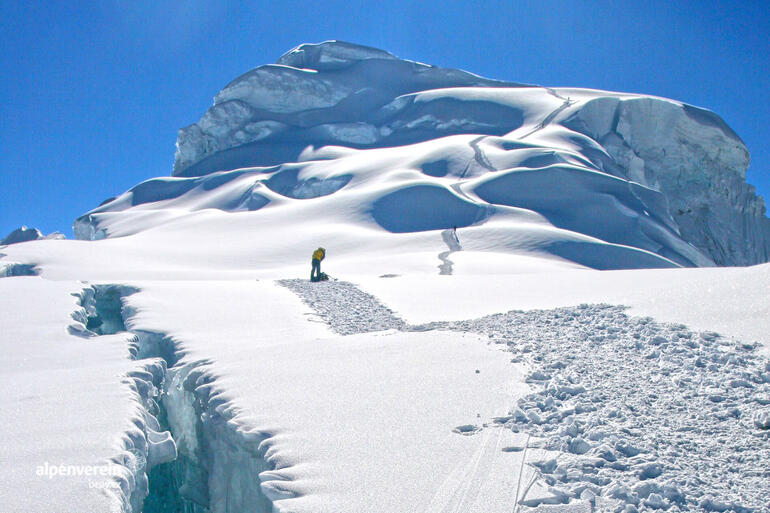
[92,93]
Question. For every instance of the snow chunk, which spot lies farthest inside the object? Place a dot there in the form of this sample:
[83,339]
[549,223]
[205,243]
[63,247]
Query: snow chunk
[649,420]
[762,419]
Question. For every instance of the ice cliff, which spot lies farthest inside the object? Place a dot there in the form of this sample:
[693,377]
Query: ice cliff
[696,160]
[619,180]
[333,93]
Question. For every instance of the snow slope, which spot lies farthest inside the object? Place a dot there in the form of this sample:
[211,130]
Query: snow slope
[351,137]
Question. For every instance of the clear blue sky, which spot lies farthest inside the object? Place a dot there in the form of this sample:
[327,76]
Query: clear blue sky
[92,93]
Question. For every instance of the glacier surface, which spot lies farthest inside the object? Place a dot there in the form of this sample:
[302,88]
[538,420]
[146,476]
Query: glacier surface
[486,347]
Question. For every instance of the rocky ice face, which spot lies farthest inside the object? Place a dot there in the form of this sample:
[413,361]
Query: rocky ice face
[604,180]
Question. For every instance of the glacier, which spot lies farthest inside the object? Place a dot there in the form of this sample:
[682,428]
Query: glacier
[542,302]
[623,180]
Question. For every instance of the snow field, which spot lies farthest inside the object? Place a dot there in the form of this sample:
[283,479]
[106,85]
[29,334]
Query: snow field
[230,401]
[643,415]
[75,408]
[368,422]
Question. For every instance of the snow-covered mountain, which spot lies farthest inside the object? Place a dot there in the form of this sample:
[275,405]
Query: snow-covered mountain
[469,357]
[24,234]
[349,135]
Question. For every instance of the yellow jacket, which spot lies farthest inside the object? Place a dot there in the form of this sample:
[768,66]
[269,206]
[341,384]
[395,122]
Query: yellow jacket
[319,254]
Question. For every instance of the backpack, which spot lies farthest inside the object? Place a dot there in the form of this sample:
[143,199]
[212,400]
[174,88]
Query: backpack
[321,277]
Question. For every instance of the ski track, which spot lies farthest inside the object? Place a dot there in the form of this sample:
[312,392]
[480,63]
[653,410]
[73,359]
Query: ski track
[643,416]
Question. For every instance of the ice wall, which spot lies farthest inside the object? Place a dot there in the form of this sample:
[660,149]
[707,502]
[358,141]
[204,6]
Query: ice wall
[330,92]
[695,160]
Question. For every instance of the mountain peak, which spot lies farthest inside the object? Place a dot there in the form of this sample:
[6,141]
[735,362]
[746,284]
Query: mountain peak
[361,138]
[24,234]
[329,55]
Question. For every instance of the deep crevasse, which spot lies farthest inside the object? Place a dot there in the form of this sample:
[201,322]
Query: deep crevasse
[183,454]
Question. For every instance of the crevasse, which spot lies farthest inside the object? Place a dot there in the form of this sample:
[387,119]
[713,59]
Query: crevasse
[182,454]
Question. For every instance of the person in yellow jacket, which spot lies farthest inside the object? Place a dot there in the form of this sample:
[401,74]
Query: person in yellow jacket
[315,272]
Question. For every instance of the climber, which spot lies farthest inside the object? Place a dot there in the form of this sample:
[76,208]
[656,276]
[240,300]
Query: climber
[315,271]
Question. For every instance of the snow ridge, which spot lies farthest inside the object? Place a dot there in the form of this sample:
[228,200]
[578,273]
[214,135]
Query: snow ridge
[24,234]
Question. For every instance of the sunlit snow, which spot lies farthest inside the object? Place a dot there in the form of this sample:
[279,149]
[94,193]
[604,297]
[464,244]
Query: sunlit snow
[526,310]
